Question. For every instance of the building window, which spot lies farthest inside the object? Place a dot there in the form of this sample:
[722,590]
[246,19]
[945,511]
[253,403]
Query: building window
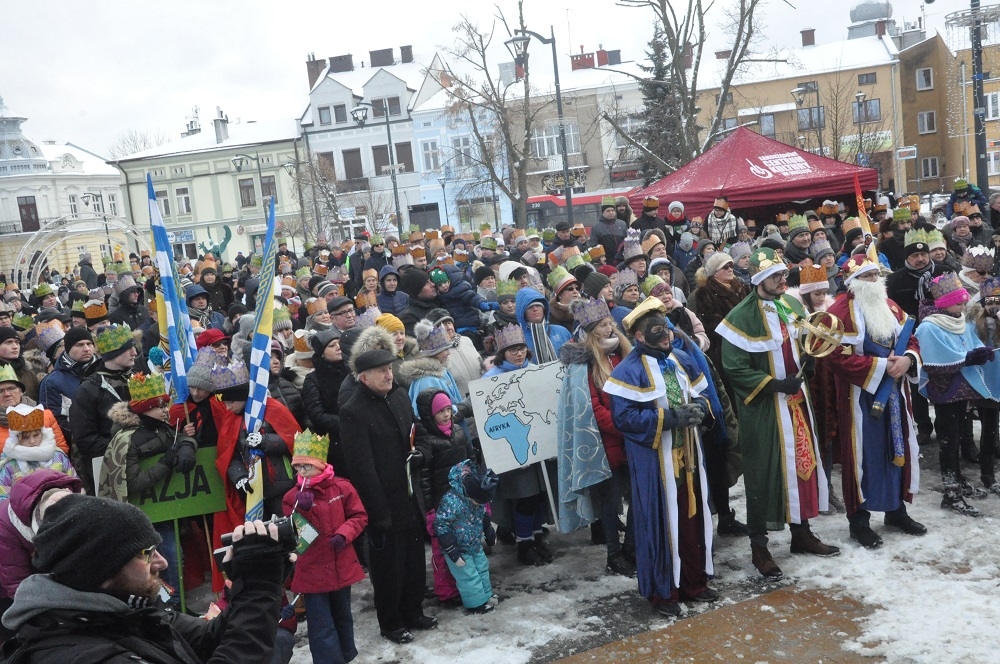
[729,98]
[96,203]
[813,117]
[929,167]
[992,105]
[380,155]
[866,79]
[767,125]
[183,200]
[352,164]
[461,146]
[993,161]
[728,124]
[268,187]
[29,213]
[177,170]
[869,110]
[378,106]
[808,86]
[164,203]
[185,249]
[324,164]
[404,156]
[431,154]
[248,198]
[113,204]
[324,115]
[545,141]
[925,79]
[340,113]
[631,126]
[927,122]
[74,208]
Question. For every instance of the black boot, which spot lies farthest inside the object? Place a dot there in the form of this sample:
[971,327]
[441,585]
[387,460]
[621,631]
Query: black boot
[506,536]
[542,548]
[526,554]
[900,519]
[618,563]
[728,525]
[953,499]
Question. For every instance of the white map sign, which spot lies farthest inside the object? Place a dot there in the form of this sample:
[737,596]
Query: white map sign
[516,415]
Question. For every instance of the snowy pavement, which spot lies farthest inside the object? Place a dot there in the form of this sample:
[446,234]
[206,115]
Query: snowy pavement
[933,598]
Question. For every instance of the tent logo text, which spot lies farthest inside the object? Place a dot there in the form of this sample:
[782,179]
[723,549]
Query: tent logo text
[786,163]
[762,173]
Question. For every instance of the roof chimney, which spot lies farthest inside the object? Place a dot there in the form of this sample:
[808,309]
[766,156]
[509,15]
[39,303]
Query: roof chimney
[615,57]
[221,122]
[340,63]
[582,61]
[809,37]
[880,28]
[406,54]
[314,68]
[381,58]
[602,56]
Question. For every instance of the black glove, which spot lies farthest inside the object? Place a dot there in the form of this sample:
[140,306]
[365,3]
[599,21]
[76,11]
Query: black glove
[416,459]
[257,557]
[185,461]
[449,545]
[169,458]
[790,385]
[489,532]
[808,365]
[977,356]
[462,411]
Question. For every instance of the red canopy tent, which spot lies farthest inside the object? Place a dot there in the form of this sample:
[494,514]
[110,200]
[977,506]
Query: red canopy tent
[753,171]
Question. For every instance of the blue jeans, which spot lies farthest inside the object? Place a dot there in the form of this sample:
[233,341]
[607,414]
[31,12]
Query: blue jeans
[472,578]
[331,626]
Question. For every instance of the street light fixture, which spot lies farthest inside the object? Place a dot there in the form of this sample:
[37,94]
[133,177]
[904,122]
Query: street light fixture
[360,115]
[518,47]
[444,201]
[862,115]
[800,94]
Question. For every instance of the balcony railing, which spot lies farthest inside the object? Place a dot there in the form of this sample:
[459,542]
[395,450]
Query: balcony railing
[355,184]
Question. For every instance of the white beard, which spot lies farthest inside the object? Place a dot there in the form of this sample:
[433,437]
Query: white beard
[870,297]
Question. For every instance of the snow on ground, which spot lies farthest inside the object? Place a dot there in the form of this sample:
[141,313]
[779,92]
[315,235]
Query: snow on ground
[935,598]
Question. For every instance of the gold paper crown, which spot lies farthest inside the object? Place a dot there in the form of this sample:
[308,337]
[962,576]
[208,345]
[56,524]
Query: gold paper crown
[288,281]
[400,250]
[112,338]
[316,305]
[95,310]
[310,448]
[25,418]
[431,235]
[447,229]
[812,274]
[143,388]
[828,209]
[850,224]
[815,225]
[418,252]
[597,251]
[302,342]
[321,270]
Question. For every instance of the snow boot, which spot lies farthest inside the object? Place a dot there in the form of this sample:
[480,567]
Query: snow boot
[728,525]
[542,549]
[804,541]
[764,563]
[526,554]
[863,534]
[954,501]
[969,491]
[706,595]
[992,486]
[900,519]
[618,563]
[506,536]
[668,608]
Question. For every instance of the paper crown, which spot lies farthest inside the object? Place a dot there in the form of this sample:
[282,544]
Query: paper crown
[650,202]
[147,392]
[257,260]
[721,203]
[400,261]
[626,277]
[22,321]
[400,250]
[916,237]
[596,251]
[961,183]
[516,236]
[549,234]
[8,375]
[632,247]
[989,292]
[812,278]
[95,311]
[315,305]
[532,233]
[850,224]
[901,214]
[310,448]
[607,202]
[578,230]
[288,281]
[815,225]
[651,305]
[208,358]
[415,235]
[49,333]
[978,258]
[828,209]
[650,283]
[321,270]
[113,337]
[431,234]
[367,319]
[489,242]
[23,417]
[574,261]
[945,285]
[447,229]
[508,336]
[43,290]
[507,288]
[303,272]
[431,338]
[302,344]
[225,376]
[418,252]
[559,278]
[763,263]
[587,312]
[935,240]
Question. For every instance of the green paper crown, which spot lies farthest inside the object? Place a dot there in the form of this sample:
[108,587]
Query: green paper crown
[304,271]
[308,444]
[8,375]
[507,287]
[77,306]
[23,321]
[916,236]
[123,268]
[257,260]
[901,214]
[143,388]
[575,261]
[489,242]
[43,290]
[112,338]
[549,234]
[797,221]
[532,231]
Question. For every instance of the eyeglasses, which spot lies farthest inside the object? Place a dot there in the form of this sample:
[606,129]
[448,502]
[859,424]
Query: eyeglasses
[147,554]
[221,344]
[345,312]
[777,276]
[10,390]
[380,244]
[727,267]
[517,350]
[574,287]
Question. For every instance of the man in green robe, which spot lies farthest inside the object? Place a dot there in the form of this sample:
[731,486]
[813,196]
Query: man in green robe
[781,458]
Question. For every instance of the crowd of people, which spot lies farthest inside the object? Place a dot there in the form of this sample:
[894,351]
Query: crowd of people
[683,340]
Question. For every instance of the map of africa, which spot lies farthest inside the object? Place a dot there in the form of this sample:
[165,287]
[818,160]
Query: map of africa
[516,415]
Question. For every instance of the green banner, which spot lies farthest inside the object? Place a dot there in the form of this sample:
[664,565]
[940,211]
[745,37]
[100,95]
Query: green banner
[200,491]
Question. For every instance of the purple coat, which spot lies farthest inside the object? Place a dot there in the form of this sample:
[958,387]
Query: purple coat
[15,525]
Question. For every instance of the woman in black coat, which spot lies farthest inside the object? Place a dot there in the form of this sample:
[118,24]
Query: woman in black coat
[321,389]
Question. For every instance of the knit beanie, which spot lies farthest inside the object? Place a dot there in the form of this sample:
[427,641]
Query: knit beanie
[608,270]
[390,323]
[482,273]
[200,376]
[75,335]
[236,308]
[716,262]
[83,541]
[481,486]
[412,282]
[440,402]
[686,241]
[594,284]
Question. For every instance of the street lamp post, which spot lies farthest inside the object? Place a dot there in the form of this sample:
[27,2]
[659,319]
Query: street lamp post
[518,47]
[860,97]
[444,201]
[90,197]
[360,115]
[800,93]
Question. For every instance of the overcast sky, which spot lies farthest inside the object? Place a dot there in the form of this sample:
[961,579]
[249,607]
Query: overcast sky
[88,72]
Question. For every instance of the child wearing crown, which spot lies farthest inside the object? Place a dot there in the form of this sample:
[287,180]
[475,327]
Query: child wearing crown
[30,446]
[326,570]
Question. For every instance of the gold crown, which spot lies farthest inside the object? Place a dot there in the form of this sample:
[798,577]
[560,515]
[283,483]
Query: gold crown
[309,447]
[812,274]
[25,418]
[302,342]
[849,225]
[316,305]
[95,310]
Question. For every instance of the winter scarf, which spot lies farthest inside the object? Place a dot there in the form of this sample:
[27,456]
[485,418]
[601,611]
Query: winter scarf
[924,276]
[202,316]
[544,350]
[25,456]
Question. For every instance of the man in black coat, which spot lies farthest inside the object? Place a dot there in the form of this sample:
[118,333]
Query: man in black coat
[100,575]
[383,468]
[131,309]
[609,231]
[423,297]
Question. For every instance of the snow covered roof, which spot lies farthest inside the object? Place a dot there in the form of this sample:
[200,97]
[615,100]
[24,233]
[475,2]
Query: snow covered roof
[411,73]
[252,132]
[92,163]
[807,61]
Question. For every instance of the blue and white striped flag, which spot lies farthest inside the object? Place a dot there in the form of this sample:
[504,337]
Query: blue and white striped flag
[180,335]
[260,354]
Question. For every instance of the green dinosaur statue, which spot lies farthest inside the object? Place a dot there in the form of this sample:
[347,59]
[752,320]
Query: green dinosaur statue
[217,248]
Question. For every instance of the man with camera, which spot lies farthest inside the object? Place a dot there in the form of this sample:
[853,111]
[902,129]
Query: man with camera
[100,574]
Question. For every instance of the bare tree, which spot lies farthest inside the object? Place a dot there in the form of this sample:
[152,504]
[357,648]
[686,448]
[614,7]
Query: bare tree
[855,124]
[499,115]
[316,179]
[136,140]
[684,35]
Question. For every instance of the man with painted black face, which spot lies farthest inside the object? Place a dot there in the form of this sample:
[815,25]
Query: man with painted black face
[658,403]
[781,457]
